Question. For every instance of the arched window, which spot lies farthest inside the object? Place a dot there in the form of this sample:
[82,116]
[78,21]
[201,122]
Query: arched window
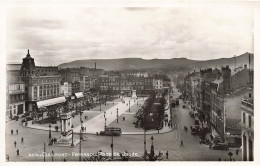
[54,90]
[44,90]
[48,90]
[58,91]
[51,90]
[40,91]
[35,93]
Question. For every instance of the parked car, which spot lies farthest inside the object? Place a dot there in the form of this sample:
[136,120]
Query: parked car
[194,131]
[220,146]
[197,123]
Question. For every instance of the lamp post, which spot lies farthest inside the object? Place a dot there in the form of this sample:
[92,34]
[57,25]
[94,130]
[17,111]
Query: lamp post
[152,140]
[117,115]
[72,142]
[152,149]
[50,143]
[129,105]
[112,144]
[80,115]
[44,150]
[144,141]
[80,138]
[100,105]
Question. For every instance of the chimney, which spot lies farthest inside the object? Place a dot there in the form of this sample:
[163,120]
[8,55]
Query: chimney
[226,74]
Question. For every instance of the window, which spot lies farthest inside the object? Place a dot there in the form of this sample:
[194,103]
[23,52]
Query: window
[35,93]
[40,91]
[244,117]
[249,121]
[219,112]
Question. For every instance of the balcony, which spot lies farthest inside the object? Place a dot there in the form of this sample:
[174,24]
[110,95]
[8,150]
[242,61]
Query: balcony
[247,105]
[13,92]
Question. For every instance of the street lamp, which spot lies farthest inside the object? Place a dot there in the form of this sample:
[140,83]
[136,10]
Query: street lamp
[129,105]
[117,115]
[152,148]
[112,144]
[144,141]
[80,138]
[50,134]
[44,150]
[80,114]
[72,143]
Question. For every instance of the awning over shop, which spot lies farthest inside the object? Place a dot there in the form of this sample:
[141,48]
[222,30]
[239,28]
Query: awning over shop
[50,102]
[79,95]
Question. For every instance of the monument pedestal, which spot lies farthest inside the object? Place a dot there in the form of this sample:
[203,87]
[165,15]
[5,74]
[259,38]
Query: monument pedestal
[134,94]
[66,131]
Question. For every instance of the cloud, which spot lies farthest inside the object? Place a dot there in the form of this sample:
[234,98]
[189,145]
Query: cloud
[67,34]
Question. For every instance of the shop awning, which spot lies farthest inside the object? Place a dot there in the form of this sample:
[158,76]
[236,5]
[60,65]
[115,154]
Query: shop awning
[79,95]
[50,102]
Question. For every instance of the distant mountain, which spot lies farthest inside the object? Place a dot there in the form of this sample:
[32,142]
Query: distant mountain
[139,63]
[240,60]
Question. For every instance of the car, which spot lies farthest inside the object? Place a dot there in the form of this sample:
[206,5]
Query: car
[220,146]
[197,123]
[183,106]
[194,131]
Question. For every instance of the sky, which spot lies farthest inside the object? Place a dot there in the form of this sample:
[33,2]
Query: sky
[58,35]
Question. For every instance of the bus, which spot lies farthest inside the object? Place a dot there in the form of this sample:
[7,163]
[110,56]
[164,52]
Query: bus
[109,131]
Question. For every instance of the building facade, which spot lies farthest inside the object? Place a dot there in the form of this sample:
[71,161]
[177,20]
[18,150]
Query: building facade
[247,124]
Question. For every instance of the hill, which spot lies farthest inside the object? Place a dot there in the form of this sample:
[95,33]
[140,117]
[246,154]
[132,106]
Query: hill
[139,63]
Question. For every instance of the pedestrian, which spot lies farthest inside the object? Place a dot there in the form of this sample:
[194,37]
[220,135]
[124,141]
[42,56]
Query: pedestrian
[12,131]
[16,131]
[64,160]
[15,144]
[237,152]
[17,152]
[182,143]
[167,154]
[219,159]
[7,157]
[22,140]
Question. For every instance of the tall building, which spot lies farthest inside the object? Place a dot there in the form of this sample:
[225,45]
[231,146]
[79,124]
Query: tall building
[41,83]
[247,124]
[15,91]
